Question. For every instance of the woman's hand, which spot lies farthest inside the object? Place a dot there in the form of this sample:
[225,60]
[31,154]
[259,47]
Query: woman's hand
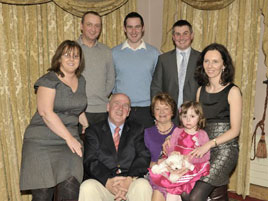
[200,151]
[166,145]
[74,145]
[84,129]
[83,121]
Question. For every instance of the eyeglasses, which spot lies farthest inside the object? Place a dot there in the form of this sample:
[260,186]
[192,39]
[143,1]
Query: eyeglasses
[69,56]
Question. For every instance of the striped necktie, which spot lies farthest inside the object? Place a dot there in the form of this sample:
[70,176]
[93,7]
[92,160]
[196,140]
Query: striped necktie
[116,137]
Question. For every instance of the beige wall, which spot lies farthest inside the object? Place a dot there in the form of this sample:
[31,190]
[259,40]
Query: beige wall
[259,167]
[151,11]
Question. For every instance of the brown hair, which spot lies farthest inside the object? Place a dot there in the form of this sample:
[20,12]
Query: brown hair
[198,110]
[89,12]
[67,46]
[164,98]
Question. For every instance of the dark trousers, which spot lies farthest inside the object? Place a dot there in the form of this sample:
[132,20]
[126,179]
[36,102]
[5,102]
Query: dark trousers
[94,118]
[142,115]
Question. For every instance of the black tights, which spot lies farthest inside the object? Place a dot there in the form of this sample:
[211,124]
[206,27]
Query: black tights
[202,191]
[66,190]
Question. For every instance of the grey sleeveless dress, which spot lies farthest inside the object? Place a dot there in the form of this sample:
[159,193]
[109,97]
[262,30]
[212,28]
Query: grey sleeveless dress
[46,158]
[223,158]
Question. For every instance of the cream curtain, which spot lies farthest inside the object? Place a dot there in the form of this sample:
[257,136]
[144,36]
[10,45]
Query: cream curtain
[236,24]
[29,36]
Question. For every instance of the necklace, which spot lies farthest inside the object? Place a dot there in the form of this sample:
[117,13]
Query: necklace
[165,131]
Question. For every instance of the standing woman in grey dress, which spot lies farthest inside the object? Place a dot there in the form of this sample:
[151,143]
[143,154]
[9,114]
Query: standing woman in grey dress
[52,149]
[222,104]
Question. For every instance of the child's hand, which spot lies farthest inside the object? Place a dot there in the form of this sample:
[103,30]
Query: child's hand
[160,161]
[187,157]
[175,152]
[179,172]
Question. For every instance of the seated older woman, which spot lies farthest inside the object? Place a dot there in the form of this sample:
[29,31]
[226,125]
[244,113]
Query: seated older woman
[163,109]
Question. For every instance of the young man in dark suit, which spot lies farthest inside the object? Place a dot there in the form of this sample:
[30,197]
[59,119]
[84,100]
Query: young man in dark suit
[174,73]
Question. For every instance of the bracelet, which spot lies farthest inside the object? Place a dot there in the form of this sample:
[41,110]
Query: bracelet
[215,142]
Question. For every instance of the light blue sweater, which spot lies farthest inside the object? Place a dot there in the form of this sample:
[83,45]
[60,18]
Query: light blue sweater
[134,71]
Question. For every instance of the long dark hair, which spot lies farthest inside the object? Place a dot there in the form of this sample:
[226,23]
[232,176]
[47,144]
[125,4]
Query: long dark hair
[228,73]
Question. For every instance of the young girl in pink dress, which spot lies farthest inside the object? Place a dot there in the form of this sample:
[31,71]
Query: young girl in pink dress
[183,140]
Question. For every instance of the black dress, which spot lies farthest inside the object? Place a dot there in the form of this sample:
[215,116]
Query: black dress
[223,158]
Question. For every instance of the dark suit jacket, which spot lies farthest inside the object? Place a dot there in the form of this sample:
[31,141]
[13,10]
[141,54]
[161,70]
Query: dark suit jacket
[101,161]
[165,78]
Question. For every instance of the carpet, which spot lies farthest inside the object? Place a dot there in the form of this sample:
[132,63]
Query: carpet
[235,197]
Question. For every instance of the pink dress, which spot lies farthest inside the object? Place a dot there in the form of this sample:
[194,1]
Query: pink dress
[184,143]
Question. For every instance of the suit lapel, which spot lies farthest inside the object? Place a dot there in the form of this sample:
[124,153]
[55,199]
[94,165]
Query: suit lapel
[107,137]
[190,68]
[174,67]
[124,135]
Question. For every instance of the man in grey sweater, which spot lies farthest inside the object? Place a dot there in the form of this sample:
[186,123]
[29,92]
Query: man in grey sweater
[99,68]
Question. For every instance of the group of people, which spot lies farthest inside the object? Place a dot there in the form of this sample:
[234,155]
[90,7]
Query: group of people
[136,108]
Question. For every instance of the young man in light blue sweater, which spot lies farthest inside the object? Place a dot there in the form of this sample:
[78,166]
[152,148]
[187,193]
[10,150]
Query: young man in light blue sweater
[135,62]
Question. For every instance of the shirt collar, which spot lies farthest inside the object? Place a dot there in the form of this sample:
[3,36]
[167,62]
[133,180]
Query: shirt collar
[81,41]
[187,51]
[112,127]
[141,46]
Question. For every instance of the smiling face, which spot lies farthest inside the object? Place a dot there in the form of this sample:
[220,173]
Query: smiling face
[118,108]
[70,60]
[134,31]
[91,27]
[162,112]
[190,120]
[213,64]
[182,37]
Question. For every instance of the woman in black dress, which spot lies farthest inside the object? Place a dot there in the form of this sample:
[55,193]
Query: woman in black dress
[222,104]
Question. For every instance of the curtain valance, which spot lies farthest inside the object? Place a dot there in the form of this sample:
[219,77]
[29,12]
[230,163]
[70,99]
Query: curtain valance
[208,4]
[76,7]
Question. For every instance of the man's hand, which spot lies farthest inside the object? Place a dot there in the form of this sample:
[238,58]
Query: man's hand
[118,186]
[123,186]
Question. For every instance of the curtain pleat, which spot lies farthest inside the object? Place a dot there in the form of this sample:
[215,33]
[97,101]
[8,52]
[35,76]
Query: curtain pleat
[30,35]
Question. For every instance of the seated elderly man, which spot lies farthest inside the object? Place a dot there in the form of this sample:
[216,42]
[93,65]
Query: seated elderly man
[115,157]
